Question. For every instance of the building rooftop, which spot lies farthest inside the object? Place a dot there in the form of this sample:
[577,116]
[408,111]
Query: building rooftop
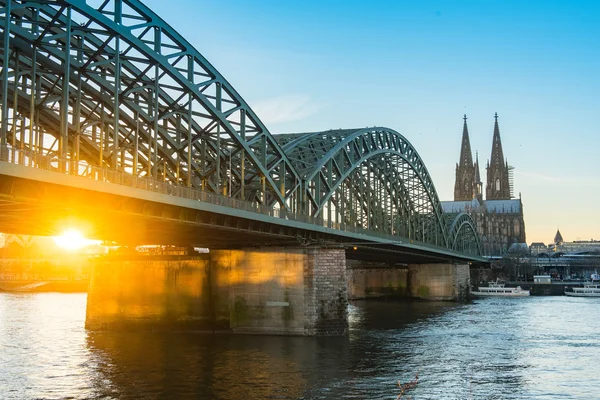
[558,239]
[459,206]
[512,206]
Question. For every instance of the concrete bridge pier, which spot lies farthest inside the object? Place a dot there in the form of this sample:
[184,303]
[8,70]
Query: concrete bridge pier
[449,281]
[288,291]
[442,281]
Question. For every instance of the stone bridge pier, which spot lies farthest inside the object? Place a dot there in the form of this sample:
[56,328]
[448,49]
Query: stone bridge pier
[438,281]
[289,291]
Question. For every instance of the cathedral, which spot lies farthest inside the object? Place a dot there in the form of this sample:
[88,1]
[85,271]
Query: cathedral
[499,218]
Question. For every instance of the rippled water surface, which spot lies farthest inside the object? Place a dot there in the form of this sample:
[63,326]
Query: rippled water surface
[537,347]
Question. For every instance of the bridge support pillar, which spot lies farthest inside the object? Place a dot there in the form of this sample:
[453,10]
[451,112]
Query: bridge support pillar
[295,291]
[154,292]
[413,281]
[439,281]
[288,291]
[368,280]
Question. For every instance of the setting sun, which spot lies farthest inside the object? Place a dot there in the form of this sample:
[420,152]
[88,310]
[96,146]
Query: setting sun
[72,240]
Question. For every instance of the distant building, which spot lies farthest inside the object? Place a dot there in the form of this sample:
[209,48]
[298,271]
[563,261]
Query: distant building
[499,218]
[545,279]
[558,239]
[538,248]
[579,259]
[519,248]
[581,247]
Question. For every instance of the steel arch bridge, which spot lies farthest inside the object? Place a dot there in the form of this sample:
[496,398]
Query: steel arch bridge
[374,178]
[106,86]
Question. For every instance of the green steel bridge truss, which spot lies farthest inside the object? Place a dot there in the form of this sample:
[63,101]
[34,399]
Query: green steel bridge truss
[108,84]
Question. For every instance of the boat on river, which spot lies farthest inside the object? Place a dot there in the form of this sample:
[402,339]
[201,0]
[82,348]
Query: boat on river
[589,289]
[499,289]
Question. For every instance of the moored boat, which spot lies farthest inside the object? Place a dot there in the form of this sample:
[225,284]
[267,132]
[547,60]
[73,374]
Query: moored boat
[589,289]
[498,288]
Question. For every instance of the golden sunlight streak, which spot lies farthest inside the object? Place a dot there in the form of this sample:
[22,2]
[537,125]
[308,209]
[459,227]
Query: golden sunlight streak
[72,240]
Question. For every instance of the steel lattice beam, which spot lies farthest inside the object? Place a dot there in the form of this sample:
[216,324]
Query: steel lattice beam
[374,177]
[393,180]
[107,89]
[109,83]
[463,234]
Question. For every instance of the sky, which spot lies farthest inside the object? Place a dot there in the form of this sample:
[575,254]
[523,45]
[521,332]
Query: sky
[417,67]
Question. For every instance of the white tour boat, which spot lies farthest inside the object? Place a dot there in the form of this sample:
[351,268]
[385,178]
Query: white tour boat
[589,289]
[497,289]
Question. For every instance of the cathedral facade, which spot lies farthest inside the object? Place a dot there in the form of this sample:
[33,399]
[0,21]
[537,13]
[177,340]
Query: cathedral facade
[499,218]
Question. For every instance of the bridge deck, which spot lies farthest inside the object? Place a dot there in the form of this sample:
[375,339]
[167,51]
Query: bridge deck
[40,202]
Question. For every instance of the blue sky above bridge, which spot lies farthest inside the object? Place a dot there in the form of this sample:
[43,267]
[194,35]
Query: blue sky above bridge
[417,67]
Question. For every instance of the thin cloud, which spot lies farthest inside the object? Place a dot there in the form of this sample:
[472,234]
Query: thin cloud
[285,109]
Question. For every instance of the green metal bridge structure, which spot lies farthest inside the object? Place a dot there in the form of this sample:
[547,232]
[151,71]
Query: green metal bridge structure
[111,118]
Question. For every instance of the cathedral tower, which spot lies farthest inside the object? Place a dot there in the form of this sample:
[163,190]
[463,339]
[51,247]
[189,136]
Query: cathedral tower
[465,184]
[498,186]
[478,183]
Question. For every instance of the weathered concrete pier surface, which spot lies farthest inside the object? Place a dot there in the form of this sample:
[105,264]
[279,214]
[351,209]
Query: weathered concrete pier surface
[287,291]
[412,281]
[295,291]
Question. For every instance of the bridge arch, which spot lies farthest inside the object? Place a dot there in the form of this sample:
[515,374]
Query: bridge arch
[110,84]
[99,85]
[371,176]
[463,235]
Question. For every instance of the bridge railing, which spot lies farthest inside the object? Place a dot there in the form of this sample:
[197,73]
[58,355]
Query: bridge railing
[105,174]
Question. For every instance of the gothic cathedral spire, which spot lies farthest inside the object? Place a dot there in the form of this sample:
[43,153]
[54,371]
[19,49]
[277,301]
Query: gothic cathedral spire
[465,185]
[478,183]
[498,187]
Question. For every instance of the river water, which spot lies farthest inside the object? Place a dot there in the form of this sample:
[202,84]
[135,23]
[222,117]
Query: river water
[537,347]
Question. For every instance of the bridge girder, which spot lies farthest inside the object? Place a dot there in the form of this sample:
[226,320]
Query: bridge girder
[109,83]
[462,233]
[375,169]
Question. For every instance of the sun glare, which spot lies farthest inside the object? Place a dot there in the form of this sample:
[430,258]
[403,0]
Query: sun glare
[72,240]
